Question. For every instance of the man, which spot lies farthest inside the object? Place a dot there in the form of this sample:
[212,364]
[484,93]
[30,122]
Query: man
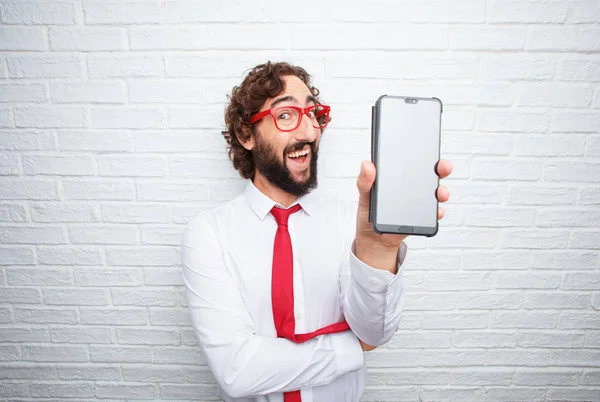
[286,290]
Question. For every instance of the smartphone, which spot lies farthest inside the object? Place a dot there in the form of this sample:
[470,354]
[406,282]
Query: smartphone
[405,148]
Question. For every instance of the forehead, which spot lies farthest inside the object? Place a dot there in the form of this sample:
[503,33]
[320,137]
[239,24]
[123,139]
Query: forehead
[294,87]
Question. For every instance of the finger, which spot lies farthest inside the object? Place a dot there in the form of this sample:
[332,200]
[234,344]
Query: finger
[443,168]
[441,213]
[443,194]
[364,182]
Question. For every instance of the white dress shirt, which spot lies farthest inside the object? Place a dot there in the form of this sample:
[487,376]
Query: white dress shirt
[227,256]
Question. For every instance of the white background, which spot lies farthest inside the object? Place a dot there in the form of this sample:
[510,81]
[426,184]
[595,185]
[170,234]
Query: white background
[110,116]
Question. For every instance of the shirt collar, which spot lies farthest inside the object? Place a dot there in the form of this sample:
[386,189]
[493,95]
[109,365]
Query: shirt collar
[262,205]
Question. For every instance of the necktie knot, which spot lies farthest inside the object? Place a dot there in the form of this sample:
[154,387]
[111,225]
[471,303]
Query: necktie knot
[281,215]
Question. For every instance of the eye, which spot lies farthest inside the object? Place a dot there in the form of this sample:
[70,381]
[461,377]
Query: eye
[312,114]
[284,116]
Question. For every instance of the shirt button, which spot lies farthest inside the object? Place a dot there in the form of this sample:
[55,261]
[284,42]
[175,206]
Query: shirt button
[298,316]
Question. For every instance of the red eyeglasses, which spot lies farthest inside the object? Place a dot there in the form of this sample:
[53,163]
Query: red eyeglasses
[288,118]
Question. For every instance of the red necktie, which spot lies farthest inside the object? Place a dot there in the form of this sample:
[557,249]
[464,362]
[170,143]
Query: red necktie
[282,290]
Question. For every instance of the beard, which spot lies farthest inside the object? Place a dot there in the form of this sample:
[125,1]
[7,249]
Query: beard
[276,171]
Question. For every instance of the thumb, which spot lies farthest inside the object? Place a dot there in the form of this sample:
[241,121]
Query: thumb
[366,178]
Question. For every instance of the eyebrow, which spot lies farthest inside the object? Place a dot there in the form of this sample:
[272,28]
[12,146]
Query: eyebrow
[290,98]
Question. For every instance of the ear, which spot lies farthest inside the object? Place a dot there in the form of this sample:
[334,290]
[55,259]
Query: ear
[248,140]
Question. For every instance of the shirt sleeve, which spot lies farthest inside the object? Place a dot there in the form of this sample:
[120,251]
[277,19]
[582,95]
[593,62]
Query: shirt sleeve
[372,299]
[243,362]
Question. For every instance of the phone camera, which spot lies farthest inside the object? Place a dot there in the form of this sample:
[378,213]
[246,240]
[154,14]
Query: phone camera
[411,100]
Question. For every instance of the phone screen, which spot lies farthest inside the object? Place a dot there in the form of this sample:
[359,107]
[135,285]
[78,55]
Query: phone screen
[408,150]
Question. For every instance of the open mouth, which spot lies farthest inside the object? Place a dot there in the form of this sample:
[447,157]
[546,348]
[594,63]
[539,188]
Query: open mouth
[299,158]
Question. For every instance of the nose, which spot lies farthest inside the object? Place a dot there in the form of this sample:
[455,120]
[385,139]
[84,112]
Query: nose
[305,131]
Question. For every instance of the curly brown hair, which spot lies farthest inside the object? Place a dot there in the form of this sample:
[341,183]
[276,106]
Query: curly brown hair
[263,82]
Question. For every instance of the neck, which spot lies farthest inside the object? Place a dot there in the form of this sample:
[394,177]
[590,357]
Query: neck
[273,192]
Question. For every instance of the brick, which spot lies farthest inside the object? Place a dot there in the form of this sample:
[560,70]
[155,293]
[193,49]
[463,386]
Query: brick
[555,95]
[592,146]
[103,234]
[482,376]
[31,92]
[96,372]
[515,394]
[95,140]
[113,316]
[123,12]
[177,12]
[549,376]
[458,119]
[144,297]
[124,65]
[487,38]
[51,212]
[46,315]
[26,140]
[79,297]
[584,11]
[377,377]
[574,122]
[435,259]
[399,66]
[14,389]
[435,301]
[474,301]
[517,68]
[518,358]
[489,94]
[17,256]
[81,335]
[500,217]
[102,276]
[69,256]
[173,190]
[518,280]
[575,358]
[556,300]
[444,358]
[542,195]
[34,276]
[120,354]
[419,11]
[39,12]
[486,260]
[87,39]
[538,239]
[141,256]
[510,121]
[442,281]
[182,141]
[88,92]
[170,316]
[455,320]
[568,218]
[575,260]
[135,213]
[468,192]
[9,353]
[129,117]
[24,371]
[391,394]
[549,145]
[62,390]
[129,166]
[153,373]
[175,91]
[582,281]
[9,164]
[569,38]
[148,336]
[50,116]
[591,378]
[579,320]
[178,355]
[45,66]
[519,319]
[23,38]
[58,165]
[5,315]
[592,339]
[485,339]
[202,167]
[579,70]
[6,117]
[585,239]
[118,391]
[221,64]
[189,339]
[417,340]
[12,213]
[28,334]
[553,11]
[98,189]
[470,238]
[162,235]
[171,391]
[570,394]
[208,37]
[19,296]
[55,353]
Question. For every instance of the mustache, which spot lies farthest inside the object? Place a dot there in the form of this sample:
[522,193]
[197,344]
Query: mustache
[298,146]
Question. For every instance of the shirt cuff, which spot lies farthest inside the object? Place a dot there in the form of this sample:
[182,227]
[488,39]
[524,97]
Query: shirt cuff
[348,352]
[373,279]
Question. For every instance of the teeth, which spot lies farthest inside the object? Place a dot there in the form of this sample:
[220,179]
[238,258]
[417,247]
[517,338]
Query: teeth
[297,154]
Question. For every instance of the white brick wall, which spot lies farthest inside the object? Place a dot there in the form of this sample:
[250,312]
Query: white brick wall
[110,120]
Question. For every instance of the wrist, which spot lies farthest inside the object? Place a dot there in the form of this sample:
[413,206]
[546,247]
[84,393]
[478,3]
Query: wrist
[377,255]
